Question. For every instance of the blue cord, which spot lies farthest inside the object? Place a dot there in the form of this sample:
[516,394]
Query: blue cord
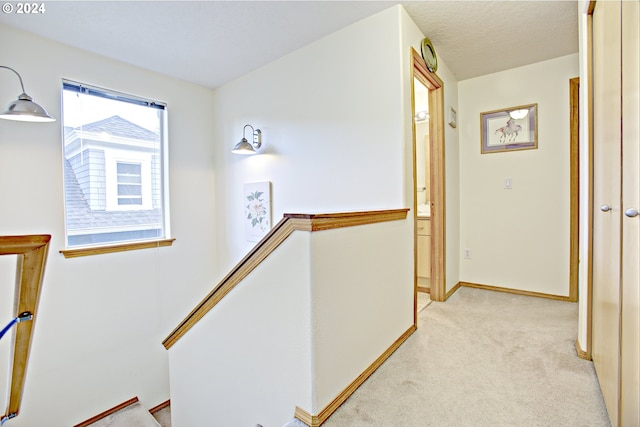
[19,318]
[7,417]
[22,317]
[4,331]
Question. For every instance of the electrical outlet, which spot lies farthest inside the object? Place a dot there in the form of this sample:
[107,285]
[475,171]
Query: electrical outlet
[467,253]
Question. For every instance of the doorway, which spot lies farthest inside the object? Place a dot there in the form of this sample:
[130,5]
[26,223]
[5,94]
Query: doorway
[422,150]
[429,183]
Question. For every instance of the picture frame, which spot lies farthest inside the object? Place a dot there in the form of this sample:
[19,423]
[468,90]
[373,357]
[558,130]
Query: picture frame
[509,129]
[257,210]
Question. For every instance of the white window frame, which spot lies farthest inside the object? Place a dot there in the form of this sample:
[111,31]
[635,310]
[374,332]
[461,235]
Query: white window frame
[138,174]
[114,156]
[111,171]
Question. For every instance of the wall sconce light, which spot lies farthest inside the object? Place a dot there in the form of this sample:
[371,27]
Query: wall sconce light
[24,109]
[518,114]
[244,147]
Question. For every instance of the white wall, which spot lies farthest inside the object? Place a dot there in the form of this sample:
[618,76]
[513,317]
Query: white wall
[331,115]
[102,318]
[336,121]
[519,238]
[248,361]
[452,174]
[361,299]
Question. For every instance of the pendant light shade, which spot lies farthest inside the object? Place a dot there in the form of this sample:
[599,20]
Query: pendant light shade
[24,109]
[243,147]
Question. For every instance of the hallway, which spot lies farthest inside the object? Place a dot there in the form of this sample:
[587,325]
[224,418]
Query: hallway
[483,358]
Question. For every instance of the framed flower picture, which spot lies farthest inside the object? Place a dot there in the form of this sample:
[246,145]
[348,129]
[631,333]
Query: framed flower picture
[257,210]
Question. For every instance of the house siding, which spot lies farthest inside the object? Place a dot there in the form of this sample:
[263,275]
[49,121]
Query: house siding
[90,175]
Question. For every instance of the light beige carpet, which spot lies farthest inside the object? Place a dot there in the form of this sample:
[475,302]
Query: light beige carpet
[483,358]
[163,416]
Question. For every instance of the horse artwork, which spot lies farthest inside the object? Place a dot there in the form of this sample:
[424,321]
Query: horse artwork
[508,129]
[510,132]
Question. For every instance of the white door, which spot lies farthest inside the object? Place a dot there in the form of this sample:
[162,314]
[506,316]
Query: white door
[630,321]
[606,197]
[616,228]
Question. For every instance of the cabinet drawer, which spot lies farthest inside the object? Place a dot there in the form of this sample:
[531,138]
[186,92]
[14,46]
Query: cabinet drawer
[424,227]
[424,256]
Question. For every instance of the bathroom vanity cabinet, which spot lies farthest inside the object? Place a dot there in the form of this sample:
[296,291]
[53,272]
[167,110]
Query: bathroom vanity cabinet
[424,252]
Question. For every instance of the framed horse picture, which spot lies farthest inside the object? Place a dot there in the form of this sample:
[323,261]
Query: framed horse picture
[509,129]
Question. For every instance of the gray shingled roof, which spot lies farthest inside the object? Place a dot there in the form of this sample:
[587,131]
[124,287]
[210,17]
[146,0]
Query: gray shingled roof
[117,126]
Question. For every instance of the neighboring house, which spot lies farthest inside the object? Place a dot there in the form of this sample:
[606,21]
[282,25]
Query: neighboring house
[112,182]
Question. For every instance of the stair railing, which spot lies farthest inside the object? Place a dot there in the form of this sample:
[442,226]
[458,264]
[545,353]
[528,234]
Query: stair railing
[287,225]
[32,253]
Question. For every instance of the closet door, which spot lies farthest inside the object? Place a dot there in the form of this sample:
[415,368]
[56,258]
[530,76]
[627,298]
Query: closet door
[630,321]
[606,196]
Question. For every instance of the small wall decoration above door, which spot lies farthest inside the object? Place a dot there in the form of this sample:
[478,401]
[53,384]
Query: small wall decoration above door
[257,210]
[509,129]
[429,55]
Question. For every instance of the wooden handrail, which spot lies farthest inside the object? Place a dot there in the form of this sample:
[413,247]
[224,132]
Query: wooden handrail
[32,253]
[287,225]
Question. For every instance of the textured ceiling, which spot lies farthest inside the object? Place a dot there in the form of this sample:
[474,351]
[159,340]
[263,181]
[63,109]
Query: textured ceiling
[480,37]
[214,42]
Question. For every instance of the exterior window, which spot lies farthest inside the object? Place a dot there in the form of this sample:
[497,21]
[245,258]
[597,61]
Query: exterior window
[115,167]
[129,184]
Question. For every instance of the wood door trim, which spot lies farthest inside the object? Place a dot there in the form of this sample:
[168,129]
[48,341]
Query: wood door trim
[590,180]
[514,291]
[574,208]
[32,252]
[437,178]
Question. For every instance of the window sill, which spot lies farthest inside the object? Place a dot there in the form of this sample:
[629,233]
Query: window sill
[97,250]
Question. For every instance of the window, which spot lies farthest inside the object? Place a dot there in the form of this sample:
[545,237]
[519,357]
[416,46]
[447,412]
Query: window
[115,168]
[129,184]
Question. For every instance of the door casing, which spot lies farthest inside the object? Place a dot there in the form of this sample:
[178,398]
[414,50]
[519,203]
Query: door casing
[436,176]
